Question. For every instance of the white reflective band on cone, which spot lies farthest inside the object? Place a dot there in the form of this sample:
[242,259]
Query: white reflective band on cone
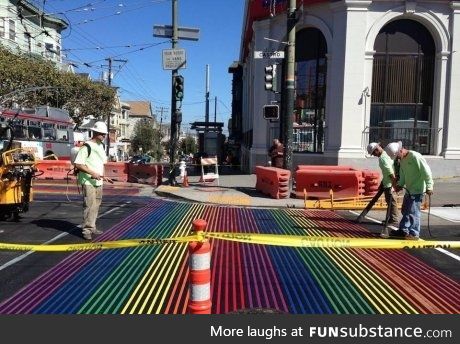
[200,261]
[200,292]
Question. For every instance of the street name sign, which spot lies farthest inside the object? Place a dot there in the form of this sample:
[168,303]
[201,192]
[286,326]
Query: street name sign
[174,59]
[166,31]
[269,54]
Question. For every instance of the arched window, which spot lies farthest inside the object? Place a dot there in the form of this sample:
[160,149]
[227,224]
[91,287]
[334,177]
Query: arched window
[402,85]
[310,86]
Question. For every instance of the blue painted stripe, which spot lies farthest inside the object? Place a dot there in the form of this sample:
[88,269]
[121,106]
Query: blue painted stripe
[75,291]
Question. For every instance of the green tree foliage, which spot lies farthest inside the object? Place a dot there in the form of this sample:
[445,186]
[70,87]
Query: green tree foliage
[80,96]
[147,138]
[188,145]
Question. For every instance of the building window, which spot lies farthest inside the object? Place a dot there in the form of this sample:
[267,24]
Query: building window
[12,30]
[402,86]
[311,74]
[2,27]
[49,51]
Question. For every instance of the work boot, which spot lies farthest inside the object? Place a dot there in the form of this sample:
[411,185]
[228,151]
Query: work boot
[385,233]
[87,236]
[411,237]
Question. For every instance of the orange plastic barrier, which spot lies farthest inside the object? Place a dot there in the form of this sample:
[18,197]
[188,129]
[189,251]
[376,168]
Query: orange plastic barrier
[160,169]
[318,183]
[142,173]
[273,181]
[54,169]
[372,182]
[326,167]
[117,171]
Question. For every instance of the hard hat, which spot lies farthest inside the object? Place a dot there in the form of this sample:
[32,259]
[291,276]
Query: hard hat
[100,127]
[371,147]
[393,148]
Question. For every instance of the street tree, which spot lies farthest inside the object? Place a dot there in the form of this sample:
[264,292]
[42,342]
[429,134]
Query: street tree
[80,96]
[147,138]
[188,145]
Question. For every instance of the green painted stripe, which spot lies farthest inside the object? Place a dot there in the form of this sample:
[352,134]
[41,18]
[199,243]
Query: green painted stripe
[342,294]
[117,288]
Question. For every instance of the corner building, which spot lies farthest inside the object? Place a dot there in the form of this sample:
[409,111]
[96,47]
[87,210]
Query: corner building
[364,71]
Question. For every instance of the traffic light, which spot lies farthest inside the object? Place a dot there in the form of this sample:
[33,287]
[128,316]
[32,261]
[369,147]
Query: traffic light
[271,78]
[271,111]
[179,87]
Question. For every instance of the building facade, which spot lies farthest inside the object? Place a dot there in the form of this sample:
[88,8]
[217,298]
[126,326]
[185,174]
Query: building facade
[26,29]
[364,71]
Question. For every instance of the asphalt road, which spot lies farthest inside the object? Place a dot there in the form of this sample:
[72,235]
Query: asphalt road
[49,222]
[56,221]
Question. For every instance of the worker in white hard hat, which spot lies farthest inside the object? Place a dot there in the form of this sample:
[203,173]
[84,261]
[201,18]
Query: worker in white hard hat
[388,179]
[90,162]
[416,178]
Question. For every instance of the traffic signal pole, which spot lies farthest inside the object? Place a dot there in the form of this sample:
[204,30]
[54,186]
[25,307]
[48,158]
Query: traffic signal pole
[175,125]
[289,86]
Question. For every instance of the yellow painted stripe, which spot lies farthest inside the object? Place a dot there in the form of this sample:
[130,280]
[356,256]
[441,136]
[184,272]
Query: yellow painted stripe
[367,281]
[167,259]
[384,298]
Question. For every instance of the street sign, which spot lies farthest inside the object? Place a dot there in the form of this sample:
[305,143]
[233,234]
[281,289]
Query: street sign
[269,54]
[166,31]
[174,59]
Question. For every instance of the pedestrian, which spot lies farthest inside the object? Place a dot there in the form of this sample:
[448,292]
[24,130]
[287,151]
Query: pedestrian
[90,162]
[276,153]
[388,180]
[416,178]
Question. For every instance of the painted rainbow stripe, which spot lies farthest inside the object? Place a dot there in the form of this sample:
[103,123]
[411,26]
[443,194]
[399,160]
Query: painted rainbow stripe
[153,280]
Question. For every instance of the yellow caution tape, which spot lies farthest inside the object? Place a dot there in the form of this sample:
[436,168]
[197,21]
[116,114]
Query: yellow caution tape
[104,245]
[331,242]
[250,238]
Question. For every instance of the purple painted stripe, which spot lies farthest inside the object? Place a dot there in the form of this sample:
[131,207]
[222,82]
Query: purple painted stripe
[29,297]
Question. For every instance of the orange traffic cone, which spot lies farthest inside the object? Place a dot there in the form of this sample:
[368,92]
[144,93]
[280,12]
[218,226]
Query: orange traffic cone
[185,182]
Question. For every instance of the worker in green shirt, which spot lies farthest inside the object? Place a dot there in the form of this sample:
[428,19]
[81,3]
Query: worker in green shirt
[388,179]
[416,178]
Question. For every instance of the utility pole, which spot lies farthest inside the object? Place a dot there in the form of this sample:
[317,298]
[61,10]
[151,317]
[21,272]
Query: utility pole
[215,110]
[175,125]
[289,86]
[161,109]
[206,118]
[109,83]
[108,116]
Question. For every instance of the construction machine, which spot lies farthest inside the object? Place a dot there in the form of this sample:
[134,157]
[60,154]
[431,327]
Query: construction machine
[17,168]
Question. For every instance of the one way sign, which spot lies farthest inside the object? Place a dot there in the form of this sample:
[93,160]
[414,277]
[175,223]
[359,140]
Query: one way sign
[269,54]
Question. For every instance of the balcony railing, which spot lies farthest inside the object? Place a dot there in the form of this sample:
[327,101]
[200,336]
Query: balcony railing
[422,140]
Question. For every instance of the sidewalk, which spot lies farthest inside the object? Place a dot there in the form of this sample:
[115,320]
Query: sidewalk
[240,190]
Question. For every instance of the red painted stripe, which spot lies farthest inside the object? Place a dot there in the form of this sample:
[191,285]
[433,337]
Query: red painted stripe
[421,285]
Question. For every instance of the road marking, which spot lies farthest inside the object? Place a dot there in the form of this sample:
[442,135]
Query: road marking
[57,237]
[451,214]
[450,254]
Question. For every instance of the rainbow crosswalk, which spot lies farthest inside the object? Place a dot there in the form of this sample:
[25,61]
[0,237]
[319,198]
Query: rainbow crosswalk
[153,279]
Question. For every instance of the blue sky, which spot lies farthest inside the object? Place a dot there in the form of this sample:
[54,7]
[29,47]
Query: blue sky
[97,32]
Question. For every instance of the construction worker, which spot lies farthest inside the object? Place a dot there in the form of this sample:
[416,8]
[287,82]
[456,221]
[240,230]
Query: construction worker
[388,179]
[90,162]
[416,178]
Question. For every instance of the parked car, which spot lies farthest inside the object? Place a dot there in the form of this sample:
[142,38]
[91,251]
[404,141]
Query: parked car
[141,159]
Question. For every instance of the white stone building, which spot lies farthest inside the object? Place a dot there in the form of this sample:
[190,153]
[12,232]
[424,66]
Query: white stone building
[365,71]
[25,28]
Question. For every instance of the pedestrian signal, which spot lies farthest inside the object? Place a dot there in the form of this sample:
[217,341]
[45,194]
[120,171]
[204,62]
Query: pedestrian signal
[177,116]
[271,111]
[271,78]
[179,87]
